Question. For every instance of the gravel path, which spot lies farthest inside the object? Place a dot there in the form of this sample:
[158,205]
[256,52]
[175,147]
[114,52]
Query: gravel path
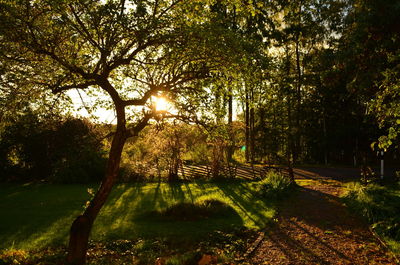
[314,227]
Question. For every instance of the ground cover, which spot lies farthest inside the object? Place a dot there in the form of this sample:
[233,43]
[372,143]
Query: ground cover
[380,206]
[39,215]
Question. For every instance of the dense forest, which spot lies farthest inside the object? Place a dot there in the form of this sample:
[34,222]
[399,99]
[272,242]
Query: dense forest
[273,83]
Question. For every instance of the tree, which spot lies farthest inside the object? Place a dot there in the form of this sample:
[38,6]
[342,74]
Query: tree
[129,51]
[34,147]
[372,36]
[386,105]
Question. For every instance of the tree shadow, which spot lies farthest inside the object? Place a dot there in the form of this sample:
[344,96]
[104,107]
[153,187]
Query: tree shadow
[315,228]
[37,215]
[127,216]
[248,203]
[338,174]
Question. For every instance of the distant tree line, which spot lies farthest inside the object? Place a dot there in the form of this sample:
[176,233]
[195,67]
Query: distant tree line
[52,148]
[323,87]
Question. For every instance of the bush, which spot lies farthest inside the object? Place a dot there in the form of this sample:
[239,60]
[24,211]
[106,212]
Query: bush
[52,148]
[187,211]
[379,205]
[275,185]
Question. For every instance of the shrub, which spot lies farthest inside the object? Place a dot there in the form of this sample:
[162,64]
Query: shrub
[55,148]
[187,211]
[275,185]
[379,205]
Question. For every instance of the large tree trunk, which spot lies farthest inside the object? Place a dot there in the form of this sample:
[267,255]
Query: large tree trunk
[81,227]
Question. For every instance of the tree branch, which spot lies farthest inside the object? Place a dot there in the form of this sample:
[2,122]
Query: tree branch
[141,101]
[106,85]
[121,60]
[134,131]
[57,88]
[168,8]
[85,32]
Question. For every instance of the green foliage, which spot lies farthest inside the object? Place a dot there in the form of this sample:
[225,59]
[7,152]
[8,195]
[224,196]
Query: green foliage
[53,148]
[160,151]
[386,106]
[275,185]
[373,45]
[379,205]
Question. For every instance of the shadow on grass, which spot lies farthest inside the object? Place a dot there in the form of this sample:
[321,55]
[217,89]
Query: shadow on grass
[127,215]
[255,211]
[36,216]
[39,214]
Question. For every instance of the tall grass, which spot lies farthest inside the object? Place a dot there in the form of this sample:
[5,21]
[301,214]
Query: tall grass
[275,185]
[380,206]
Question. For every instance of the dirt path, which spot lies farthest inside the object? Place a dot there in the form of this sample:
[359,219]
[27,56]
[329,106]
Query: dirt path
[313,227]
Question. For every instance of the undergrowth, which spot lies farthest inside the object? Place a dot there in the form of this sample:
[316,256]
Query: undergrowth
[275,185]
[380,205]
[189,211]
[220,247]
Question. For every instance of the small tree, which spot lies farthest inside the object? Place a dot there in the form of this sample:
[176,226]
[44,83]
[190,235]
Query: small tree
[126,52]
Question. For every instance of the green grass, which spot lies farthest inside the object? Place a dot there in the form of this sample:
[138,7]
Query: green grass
[39,215]
[380,205]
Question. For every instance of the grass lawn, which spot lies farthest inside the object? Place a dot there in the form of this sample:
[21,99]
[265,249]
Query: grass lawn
[380,205]
[39,215]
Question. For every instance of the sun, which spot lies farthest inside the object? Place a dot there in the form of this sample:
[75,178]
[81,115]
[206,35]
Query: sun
[161,104]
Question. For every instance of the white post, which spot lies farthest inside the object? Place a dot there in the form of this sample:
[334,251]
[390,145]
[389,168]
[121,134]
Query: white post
[382,165]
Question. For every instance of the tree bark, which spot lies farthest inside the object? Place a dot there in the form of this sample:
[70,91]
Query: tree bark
[252,123]
[247,127]
[230,129]
[297,139]
[297,143]
[289,152]
[81,227]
